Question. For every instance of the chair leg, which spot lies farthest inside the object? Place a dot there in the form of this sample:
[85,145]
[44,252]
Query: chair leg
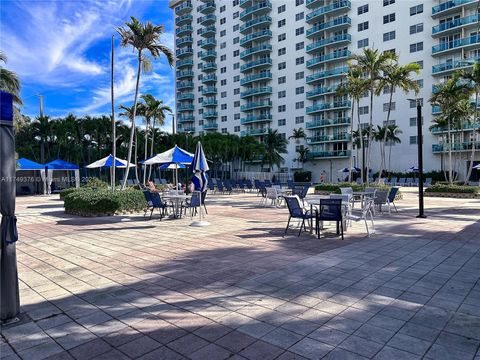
[341,226]
[206,212]
[151,213]
[288,224]
[301,226]
[366,225]
[393,203]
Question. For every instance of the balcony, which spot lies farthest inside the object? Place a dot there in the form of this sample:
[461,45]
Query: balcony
[338,24]
[209,66]
[184,74]
[185,107]
[264,75]
[327,122]
[256,91]
[183,63]
[454,25]
[313,3]
[254,132]
[256,105]
[334,40]
[452,46]
[334,56]
[184,52]
[207,8]
[210,126]
[451,6]
[208,31]
[321,91]
[184,41]
[256,36]
[326,74]
[328,138]
[329,9]
[185,85]
[327,107]
[207,20]
[260,21]
[465,127]
[183,8]
[184,30]
[188,129]
[208,43]
[256,118]
[185,96]
[206,55]
[257,9]
[211,90]
[209,78]
[185,118]
[210,115]
[462,146]
[258,50]
[257,64]
[210,102]
[181,20]
[329,154]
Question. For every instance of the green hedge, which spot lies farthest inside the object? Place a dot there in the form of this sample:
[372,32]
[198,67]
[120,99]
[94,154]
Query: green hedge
[90,202]
[441,188]
[65,192]
[335,188]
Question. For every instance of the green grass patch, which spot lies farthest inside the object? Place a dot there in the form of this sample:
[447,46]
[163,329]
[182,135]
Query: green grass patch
[458,189]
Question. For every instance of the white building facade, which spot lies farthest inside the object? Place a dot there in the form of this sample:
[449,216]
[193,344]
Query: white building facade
[245,66]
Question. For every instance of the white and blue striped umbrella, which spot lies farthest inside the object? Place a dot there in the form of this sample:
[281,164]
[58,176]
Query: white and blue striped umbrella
[199,165]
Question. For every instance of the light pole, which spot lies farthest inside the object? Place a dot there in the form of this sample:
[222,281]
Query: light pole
[173,124]
[420,159]
[363,158]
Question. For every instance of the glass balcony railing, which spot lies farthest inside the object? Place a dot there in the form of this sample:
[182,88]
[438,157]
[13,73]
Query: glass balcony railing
[205,55]
[264,75]
[207,19]
[343,21]
[183,8]
[329,57]
[208,43]
[255,64]
[328,106]
[256,91]
[184,74]
[254,132]
[188,129]
[455,44]
[183,19]
[210,90]
[209,66]
[437,10]
[256,118]
[210,102]
[327,122]
[256,50]
[459,146]
[321,91]
[187,29]
[465,127]
[260,21]
[208,30]
[258,8]
[186,118]
[210,126]
[326,74]
[185,96]
[256,105]
[183,63]
[186,40]
[318,45]
[313,3]
[263,34]
[328,138]
[209,78]
[186,107]
[454,24]
[210,114]
[341,5]
[207,8]
[184,52]
[185,85]
[329,154]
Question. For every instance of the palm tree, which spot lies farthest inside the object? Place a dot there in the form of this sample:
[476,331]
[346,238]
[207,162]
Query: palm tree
[42,127]
[128,112]
[392,138]
[9,81]
[372,62]
[449,97]
[395,76]
[143,38]
[473,79]
[302,152]
[354,87]
[275,145]
[297,134]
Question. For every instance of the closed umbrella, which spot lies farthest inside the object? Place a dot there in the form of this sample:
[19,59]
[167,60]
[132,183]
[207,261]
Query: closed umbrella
[200,166]
[9,293]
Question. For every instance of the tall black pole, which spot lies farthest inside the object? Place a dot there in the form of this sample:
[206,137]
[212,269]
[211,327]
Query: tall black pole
[114,135]
[363,161]
[420,161]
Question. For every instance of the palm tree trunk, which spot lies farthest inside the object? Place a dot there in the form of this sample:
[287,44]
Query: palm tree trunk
[370,124]
[136,156]
[361,138]
[132,130]
[450,170]
[145,151]
[151,148]
[472,154]
[351,153]
[384,141]
[114,135]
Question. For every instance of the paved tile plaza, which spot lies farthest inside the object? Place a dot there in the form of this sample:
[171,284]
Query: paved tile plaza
[125,288]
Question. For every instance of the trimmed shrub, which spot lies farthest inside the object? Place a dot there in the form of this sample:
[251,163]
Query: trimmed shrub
[302,176]
[441,188]
[89,202]
[95,183]
[65,192]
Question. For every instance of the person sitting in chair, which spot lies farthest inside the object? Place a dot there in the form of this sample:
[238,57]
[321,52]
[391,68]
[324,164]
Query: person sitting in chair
[151,186]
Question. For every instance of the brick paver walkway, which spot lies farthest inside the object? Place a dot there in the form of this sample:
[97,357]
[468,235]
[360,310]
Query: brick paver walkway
[125,288]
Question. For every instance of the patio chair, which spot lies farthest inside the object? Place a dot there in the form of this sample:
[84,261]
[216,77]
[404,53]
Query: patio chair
[249,185]
[255,183]
[391,198]
[330,210]
[277,183]
[193,203]
[347,200]
[268,183]
[272,195]
[211,185]
[233,182]
[156,181]
[163,181]
[228,186]
[415,182]
[148,199]
[262,191]
[364,214]
[381,198]
[241,185]
[300,190]
[157,203]
[296,211]
[401,182]
[409,182]
[427,182]
[130,182]
[220,187]
[290,184]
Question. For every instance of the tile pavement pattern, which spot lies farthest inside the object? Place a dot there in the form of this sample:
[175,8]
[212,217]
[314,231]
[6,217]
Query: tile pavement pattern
[125,288]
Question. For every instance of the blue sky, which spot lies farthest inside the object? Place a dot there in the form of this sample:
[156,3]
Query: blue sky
[61,49]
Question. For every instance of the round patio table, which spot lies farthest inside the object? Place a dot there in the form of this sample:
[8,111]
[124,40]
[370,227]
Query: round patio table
[177,201]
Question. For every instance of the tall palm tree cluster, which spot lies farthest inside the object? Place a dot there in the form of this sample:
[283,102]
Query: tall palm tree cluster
[373,72]
[453,98]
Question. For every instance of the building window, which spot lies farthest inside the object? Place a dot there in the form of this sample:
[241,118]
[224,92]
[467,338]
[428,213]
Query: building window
[223,70]
[223,118]
[281,23]
[223,57]
[223,45]
[282,122]
[420,63]
[362,43]
[282,65]
[222,8]
[299,46]
[414,10]
[236,15]
[388,36]
[223,94]
[236,27]
[386,90]
[282,94]
[236,128]
[299,75]
[282,80]
[236,116]
[388,18]
[388,2]
[282,108]
[416,47]
[299,105]
[236,40]
[389,122]
[281,9]
[299,16]
[362,9]
[223,33]
[299,2]
[413,104]
[236,91]
[299,60]
[282,37]
[362,110]
[387,106]
[299,90]
[236,104]
[236,66]
[413,121]
[224,130]
[223,21]
[236,78]
[417,28]
[223,106]
[282,51]
[200,111]
[236,2]
[236,53]
[223,82]
[299,31]
[420,83]
[299,119]
[363,26]
[413,140]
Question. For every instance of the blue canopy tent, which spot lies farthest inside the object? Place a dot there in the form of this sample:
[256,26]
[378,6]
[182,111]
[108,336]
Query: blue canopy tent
[24,164]
[61,165]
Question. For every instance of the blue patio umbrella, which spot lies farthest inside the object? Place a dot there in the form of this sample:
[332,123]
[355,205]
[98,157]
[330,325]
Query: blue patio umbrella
[346,169]
[26,164]
[108,162]
[199,166]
